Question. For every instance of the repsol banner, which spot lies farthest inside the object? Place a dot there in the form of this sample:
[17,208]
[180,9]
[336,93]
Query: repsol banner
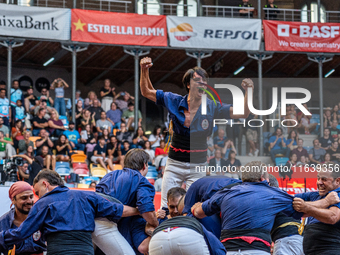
[35,22]
[214,33]
[301,36]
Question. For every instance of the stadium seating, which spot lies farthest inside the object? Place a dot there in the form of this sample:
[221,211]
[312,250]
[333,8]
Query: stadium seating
[97,170]
[80,168]
[281,161]
[64,120]
[81,158]
[62,168]
[34,139]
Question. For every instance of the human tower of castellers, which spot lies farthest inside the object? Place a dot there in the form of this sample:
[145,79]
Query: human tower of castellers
[215,215]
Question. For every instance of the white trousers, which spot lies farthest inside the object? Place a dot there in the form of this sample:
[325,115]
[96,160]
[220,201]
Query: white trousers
[176,173]
[289,245]
[106,103]
[10,151]
[179,241]
[107,237]
[249,252]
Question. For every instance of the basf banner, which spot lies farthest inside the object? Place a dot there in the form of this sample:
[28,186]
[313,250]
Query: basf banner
[301,36]
[35,22]
[118,28]
[214,33]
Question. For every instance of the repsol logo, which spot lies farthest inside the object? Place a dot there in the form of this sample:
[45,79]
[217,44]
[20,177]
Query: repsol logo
[230,34]
[28,22]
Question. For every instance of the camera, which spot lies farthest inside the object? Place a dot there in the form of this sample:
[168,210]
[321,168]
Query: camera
[9,169]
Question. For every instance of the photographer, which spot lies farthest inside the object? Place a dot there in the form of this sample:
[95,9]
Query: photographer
[29,168]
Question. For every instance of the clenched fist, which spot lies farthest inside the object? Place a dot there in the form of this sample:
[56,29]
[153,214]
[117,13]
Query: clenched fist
[299,204]
[146,63]
[247,83]
[160,214]
[332,198]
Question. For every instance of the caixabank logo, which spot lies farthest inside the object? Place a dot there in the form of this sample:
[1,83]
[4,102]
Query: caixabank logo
[238,104]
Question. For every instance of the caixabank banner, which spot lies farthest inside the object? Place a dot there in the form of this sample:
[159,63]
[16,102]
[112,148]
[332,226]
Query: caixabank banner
[301,36]
[118,28]
[35,22]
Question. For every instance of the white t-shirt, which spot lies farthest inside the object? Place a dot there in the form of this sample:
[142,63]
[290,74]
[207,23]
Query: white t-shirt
[151,154]
[153,138]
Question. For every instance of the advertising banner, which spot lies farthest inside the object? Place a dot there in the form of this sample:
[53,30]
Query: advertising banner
[214,33]
[35,22]
[301,36]
[118,28]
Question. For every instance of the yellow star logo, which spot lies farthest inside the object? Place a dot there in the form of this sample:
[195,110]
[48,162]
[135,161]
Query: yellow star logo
[79,25]
[296,185]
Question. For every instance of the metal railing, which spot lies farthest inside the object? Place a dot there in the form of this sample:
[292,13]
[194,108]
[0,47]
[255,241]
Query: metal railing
[287,14]
[106,5]
[39,3]
[332,16]
[164,8]
[228,11]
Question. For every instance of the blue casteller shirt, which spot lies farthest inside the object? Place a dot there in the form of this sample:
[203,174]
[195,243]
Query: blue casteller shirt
[278,144]
[314,196]
[32,244]
[130,187]
[251,205]
[61,210]
[72,136]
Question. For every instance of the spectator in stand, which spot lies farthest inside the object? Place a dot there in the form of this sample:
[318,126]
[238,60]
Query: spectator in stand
[327,118]
[92,185]
[334,152]
[233,165]
[278,145]
[114,150]
[106,135]
[125,149]
[79,113]
[271,14]
[129,116]
[151,152]
[107,94]
[326,140]
[56,126]
[4,128]
[44,141]
[59,102]
[124,135]
[31,101]
[5,109]
[156,137]
[335,110]
[139,138]
[327,158]
[6,146]
[304,122]
[45,95]
[217,163]
[114,115]
[252,137]
[88,139]
[30,152]
[303,161]
[47,158]
[89,101]
[316,154]
[39,122]
[211,149]
[78,98]
[122,104]
[74,137]
[87,119]
[158,182]
[25,143]
[334,131]
[103,123]
[16,94]
[63,149]
[19,111]
[300,151]
[17,131]
[96,109]
[99,154]
[292,162]
[292,140]
[43,105]
[161,149]
[246,12]
[220,139]
[228,147]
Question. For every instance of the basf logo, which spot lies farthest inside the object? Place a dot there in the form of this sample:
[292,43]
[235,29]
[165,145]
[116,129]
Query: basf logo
[309,31]
[183,32]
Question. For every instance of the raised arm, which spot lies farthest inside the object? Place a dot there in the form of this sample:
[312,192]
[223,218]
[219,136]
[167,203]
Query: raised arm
[245,84]
[146,87]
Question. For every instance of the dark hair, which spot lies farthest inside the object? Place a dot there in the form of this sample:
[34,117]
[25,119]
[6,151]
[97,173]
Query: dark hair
[273,181]
[190,73]
[144,145]
[131,104]
[2,89]
[290,134]
[138,130]
[101,138]
[136,159]
[22,128]
[126,142]
[277,129]
[155,130]
[335,141]
[15,81]
[291,155]
[59,140]
[52,177]
[2,82]
[175,192]
[231,152]
[40,110]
